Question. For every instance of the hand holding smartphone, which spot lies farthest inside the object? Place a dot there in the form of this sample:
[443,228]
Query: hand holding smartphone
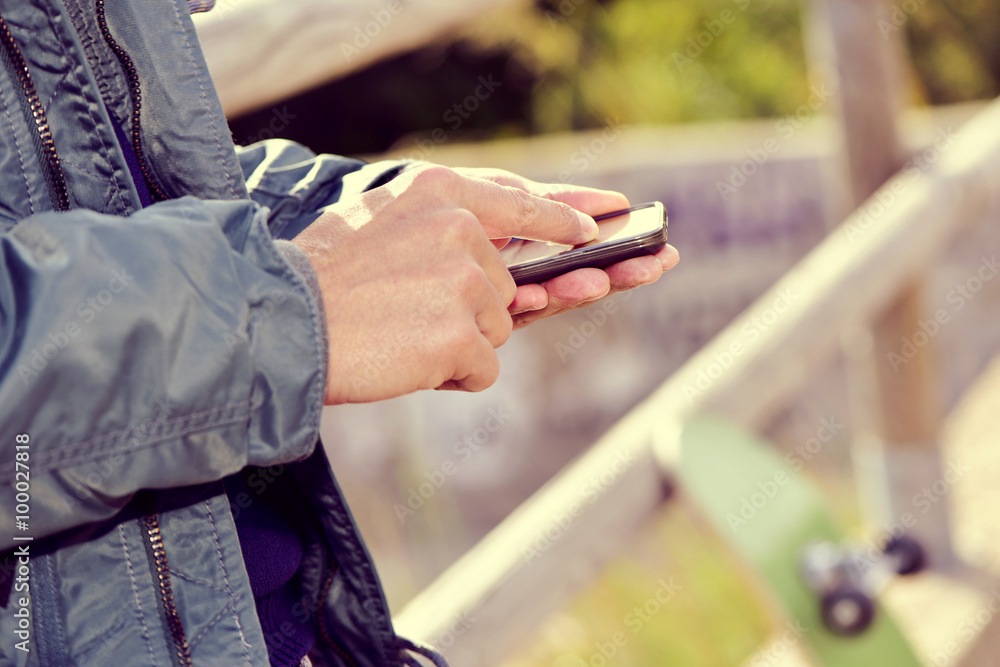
[636,231]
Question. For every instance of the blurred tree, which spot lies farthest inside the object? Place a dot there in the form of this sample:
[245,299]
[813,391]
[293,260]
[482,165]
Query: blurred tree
[654,62]
[577,64]
[955,47]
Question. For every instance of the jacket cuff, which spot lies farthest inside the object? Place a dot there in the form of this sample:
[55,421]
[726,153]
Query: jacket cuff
[286,329]
[300,263]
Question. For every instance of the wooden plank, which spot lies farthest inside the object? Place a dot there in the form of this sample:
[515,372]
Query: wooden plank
[904,414]
[747,373]
[721,468]
[543,554]
[984,650]
[263,51]
[908,401]
[863,65]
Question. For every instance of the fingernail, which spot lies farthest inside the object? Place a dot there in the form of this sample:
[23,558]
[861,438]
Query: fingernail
[670,261]
[588,225]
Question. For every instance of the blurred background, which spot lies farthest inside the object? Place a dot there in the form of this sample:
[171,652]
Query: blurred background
[737,114]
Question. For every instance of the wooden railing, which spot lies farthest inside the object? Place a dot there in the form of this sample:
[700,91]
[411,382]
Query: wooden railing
[862,282]
[554,544]
[263,51]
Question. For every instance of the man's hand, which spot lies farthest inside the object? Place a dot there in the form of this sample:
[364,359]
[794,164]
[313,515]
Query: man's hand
[415,293]
[583,286]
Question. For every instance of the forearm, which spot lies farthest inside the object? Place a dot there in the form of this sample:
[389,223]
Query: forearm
[171,348]
[296,184]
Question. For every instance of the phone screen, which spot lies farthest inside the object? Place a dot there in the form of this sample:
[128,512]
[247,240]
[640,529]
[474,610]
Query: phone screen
[620,234]
[521,251]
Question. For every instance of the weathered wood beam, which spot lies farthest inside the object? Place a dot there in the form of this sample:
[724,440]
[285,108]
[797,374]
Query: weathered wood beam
[263,51]
[537,560]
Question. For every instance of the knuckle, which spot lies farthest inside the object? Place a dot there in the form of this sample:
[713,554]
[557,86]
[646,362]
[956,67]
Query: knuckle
[435,177]
[508,291]
[461,228]
[506,329]
[469,278]
[491,372]
[567,215]
[465,338]
[525,205]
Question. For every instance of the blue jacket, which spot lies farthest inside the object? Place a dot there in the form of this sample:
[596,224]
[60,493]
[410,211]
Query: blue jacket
[146,353]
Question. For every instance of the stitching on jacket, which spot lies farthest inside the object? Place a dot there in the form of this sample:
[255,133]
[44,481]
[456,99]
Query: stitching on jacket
[135,593]
[229,591]
[212,622]
[356,551]
[55,92]
[315,313]
[88,650]
[204,99]
[195,580]
[107,71]
[50,634]
[82,452]
[301,195]
[73,65]
[20,156]
[273,200]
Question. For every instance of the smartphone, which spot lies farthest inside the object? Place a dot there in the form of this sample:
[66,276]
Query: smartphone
[640,230]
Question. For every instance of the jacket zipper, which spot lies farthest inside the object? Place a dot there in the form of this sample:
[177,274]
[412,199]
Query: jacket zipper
[324,630]
[183,651]
[34,114]
[135,92]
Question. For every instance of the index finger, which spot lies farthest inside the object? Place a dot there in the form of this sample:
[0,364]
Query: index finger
[505,211]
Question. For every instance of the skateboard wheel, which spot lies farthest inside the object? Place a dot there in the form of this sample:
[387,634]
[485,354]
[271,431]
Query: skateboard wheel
[847,611]
[909,554]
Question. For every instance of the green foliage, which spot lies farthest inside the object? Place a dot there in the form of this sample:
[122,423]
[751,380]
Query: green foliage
[712,619]
[668,61]
[955,48]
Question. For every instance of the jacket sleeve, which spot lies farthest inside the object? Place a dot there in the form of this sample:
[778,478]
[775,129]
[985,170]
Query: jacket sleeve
[166,349]
[295,183]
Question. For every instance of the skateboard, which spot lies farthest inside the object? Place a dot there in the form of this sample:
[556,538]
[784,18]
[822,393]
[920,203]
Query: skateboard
[779,525]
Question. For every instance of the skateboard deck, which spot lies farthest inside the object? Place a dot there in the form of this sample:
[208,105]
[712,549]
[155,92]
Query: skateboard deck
[769,514]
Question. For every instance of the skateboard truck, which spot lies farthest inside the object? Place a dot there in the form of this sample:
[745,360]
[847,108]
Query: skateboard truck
[847,579]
